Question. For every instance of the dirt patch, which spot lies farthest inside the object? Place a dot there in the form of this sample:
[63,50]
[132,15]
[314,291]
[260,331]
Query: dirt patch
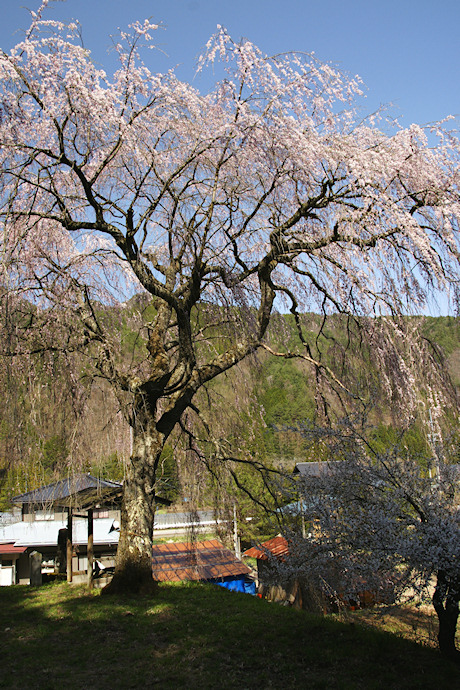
[416,623]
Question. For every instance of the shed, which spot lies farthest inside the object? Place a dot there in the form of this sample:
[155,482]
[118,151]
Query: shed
[303,593]
[9,554]
[206,561]
[269,584]
[278,547]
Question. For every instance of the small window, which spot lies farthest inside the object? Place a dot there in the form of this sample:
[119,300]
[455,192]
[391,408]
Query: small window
[101,513]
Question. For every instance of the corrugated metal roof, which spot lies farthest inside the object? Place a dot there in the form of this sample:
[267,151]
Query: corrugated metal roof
[278,546]
[205,560]
[11,549]
[45,533]
[80,491]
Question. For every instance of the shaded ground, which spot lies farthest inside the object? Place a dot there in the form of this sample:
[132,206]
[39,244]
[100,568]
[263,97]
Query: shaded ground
[201,637]
[417,623]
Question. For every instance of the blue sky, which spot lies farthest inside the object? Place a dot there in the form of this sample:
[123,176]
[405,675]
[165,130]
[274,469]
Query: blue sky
[407,51]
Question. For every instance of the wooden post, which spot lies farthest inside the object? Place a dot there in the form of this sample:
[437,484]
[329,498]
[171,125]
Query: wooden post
[90,549]
[69,545]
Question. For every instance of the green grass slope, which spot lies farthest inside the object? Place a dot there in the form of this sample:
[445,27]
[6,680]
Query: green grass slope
[196,636]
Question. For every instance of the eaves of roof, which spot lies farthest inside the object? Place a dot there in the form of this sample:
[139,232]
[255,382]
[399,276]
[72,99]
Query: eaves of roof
[81,491]
[8,549]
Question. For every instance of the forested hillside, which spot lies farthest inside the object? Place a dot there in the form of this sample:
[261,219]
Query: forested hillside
[55,420]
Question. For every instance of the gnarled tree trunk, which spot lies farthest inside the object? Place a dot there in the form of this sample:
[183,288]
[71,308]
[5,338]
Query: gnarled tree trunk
[174,382]
[133,571]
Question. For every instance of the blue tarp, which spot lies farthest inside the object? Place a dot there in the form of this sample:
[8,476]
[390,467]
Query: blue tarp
[237,584]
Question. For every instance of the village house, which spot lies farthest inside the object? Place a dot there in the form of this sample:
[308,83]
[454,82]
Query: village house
[89,508]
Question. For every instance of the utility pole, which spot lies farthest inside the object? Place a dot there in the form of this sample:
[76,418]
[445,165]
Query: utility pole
[236,539]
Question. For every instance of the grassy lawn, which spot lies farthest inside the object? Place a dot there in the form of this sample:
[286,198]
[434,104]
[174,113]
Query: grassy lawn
[197,636]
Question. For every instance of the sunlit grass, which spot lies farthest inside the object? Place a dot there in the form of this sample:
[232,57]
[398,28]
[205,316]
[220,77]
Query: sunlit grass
[197,636]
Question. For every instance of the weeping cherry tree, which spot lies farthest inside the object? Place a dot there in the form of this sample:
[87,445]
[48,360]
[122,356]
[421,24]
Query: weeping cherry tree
[213,205]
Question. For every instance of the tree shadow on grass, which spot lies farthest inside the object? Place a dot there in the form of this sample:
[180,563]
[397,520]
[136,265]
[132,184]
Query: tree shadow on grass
[195,636]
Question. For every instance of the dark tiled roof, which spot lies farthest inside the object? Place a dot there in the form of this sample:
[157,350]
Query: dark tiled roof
[205,560]
[278,546]
[81,491]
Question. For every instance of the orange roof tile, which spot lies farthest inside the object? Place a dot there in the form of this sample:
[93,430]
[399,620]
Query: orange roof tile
[278,546]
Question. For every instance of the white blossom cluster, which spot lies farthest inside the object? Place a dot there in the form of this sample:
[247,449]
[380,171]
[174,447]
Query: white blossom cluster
[377,523]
